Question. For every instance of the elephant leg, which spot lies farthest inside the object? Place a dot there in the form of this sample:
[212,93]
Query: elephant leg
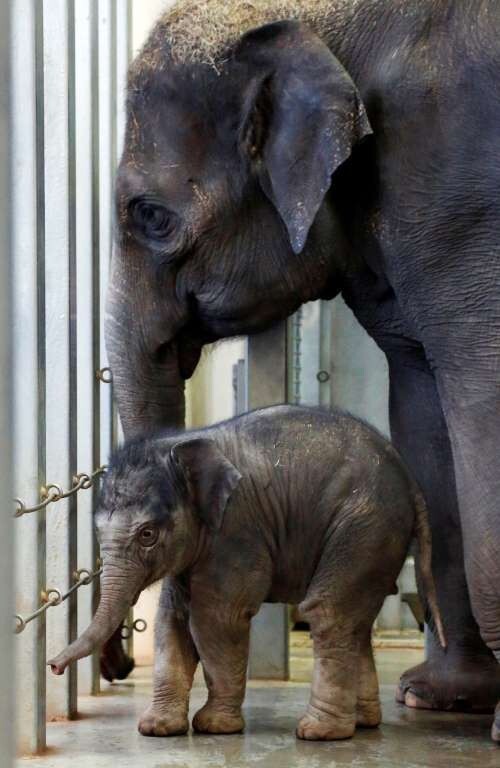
[495,728]
[368,710]
[466,676]
[222,638]
[470,394]
[176,659]
[114,661]
[331,712]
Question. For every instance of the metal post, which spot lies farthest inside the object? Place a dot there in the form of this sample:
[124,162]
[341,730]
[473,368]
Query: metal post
[28,324]
[267,377]
[96,285]
[86,380]
[6,559]
[73,349]
[121,46]
[107,163]
[359,381]
[61,700]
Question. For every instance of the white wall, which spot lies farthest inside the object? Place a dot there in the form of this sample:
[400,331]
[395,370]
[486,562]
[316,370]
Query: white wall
[144,14]
[209,395]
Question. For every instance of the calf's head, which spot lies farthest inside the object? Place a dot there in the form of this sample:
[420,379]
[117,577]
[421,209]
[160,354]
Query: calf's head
[156,502]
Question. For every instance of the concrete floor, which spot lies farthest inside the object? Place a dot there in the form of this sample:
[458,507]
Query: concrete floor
[106,736]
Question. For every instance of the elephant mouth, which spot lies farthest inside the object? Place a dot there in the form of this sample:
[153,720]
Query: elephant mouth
[184,351]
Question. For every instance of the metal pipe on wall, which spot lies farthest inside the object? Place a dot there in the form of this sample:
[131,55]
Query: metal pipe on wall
[6,558]
[28,320]
[88,672]
[60,528]
[267,385]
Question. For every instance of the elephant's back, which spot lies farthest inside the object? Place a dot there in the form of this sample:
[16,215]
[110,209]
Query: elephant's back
[304,434]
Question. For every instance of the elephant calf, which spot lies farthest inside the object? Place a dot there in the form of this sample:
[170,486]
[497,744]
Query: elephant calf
[285,504]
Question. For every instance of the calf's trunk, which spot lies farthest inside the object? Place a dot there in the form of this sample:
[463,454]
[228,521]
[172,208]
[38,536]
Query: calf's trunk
[118,591]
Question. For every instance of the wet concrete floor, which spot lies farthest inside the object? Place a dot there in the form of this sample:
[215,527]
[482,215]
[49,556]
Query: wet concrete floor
[106,734]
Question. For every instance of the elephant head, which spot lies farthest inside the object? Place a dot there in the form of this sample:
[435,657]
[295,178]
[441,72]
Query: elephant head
[156,501]
[225,221]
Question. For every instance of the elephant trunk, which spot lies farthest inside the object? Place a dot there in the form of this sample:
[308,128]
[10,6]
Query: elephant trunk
[149,397]
[118,593]
[143,351]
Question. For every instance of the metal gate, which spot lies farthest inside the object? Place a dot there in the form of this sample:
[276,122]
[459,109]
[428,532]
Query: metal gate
[68,69]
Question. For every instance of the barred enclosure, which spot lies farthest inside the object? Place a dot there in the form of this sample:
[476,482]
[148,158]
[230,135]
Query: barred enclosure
[69,60]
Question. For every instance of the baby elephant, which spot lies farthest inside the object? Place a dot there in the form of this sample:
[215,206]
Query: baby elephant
[285,504]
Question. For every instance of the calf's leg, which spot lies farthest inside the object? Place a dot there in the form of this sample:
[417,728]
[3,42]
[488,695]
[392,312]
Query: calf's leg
[222,640]
[368,710]
[175,663]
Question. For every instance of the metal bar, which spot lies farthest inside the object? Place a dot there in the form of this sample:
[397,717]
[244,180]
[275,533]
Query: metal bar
[121,53]
[86,381]
[107,165]
[325,353]
[6,559]
[40,688]
[61,700]
[96,285]
[28,323]
[73,351]
[309,353]
[115,116]
[294,357]
[267,385]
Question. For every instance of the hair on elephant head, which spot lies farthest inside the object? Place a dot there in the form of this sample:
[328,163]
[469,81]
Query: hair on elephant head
[225,220]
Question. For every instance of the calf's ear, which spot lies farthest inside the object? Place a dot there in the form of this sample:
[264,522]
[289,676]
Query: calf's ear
[302,117]
[210,478]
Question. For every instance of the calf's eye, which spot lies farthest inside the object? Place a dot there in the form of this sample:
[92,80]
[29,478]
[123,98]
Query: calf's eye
[148,536]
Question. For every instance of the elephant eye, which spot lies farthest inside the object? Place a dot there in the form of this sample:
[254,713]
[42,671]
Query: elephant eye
[152,219]
[148,536]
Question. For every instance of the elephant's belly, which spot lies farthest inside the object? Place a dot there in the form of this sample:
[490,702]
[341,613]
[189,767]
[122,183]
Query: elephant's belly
[287,590]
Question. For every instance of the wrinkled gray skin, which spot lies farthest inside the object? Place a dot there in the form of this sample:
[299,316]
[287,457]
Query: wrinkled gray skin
[356,151]
[282,505]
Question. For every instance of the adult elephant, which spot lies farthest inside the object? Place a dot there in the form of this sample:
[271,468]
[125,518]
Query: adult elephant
[281,151]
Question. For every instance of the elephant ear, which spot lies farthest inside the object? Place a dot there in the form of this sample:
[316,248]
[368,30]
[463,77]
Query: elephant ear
[210,477]
[302,118]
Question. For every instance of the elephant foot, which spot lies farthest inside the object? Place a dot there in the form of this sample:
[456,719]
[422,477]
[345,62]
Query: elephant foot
[209,719]
[495,728]
[452,684]
[155,723]
[368,713]
[115,664]
[322,727]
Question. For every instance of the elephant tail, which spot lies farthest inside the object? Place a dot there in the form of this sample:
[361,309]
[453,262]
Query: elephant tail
[425,579]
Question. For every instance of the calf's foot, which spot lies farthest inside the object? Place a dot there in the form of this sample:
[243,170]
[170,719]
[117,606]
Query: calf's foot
[160,723]
[213,719]
[368,713]
[318,726]
[452,683]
